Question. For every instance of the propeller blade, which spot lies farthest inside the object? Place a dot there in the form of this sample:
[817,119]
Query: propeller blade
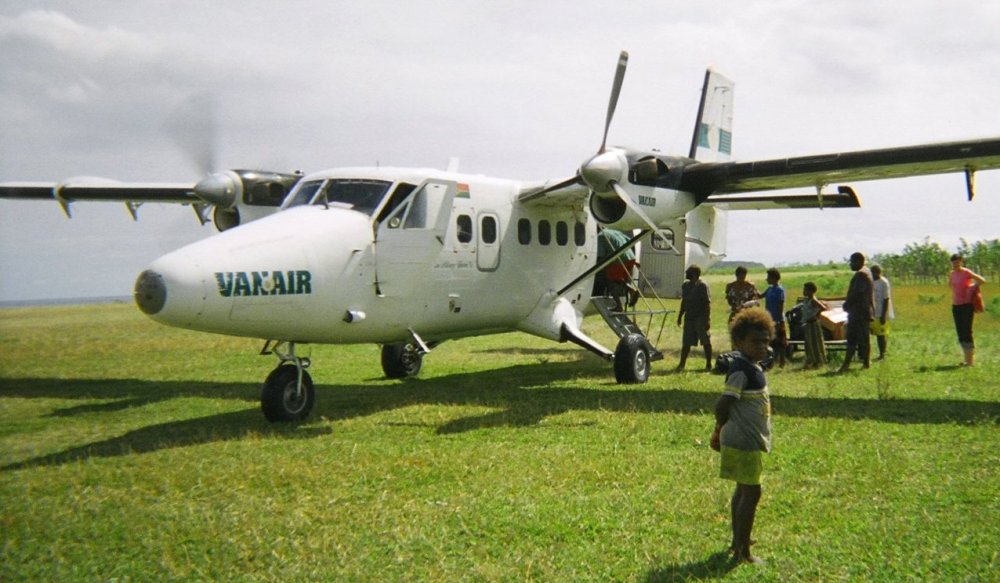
[193,126]
[616,89]
[642,215]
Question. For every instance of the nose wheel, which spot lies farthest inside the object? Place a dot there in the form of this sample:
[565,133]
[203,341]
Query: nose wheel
[288,393]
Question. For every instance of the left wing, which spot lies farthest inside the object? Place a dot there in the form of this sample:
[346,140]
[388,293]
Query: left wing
[713,181]
[101,189]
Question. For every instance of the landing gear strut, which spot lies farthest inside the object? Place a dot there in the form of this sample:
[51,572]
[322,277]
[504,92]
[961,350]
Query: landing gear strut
[288,393]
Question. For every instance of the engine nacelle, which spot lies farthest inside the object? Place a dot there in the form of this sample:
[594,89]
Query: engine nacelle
[241,196]
[664,206]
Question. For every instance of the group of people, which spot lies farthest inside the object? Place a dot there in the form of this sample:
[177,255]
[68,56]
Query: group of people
[868,304]
[742,431]
[869,309]
[695,310]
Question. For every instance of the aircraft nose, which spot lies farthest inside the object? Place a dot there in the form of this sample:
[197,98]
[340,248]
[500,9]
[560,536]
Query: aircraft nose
[150,292]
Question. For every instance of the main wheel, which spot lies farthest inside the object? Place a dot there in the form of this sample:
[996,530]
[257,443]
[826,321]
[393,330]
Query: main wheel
[279,398]
[632,360]
[402,360]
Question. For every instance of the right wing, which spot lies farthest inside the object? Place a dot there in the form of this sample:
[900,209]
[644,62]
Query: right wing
[716,181]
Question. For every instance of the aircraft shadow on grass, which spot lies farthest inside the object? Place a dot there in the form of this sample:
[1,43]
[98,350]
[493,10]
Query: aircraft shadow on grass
[523,399]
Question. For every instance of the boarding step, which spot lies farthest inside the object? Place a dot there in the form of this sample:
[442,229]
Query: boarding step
[621,323]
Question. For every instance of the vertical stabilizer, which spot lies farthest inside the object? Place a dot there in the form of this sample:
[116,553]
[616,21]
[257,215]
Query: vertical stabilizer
[702,234]
[713,130]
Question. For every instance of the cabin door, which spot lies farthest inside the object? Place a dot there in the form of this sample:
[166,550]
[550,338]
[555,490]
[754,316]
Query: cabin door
[410,240]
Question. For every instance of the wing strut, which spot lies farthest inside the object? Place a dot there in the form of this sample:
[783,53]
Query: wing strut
[970,182]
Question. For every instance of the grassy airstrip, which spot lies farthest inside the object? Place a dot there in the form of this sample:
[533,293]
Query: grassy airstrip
[135,452]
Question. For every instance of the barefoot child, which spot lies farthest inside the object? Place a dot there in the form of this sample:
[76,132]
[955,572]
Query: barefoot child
[743,423]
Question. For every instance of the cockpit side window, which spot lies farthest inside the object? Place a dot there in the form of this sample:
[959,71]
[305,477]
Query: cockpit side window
[304,193]
[426,208]
[398,195]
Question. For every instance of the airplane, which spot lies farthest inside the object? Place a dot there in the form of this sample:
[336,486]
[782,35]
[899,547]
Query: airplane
[407,258]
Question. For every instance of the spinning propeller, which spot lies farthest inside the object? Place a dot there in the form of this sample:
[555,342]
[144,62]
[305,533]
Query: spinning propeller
[605,170]
[194,128]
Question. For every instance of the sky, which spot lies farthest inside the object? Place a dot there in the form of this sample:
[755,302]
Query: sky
[513,89]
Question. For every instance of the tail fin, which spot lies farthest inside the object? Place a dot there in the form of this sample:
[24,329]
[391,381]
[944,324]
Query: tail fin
[702,235]
[713,131]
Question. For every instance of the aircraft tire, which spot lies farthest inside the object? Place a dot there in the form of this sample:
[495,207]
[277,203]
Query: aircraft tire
[277,397]
[401,360]
[632,360]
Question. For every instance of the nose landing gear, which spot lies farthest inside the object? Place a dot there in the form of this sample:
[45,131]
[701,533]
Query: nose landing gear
[288,393]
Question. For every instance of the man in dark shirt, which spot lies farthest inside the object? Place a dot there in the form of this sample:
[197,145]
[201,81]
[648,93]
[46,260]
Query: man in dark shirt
[860,308]
[696,313]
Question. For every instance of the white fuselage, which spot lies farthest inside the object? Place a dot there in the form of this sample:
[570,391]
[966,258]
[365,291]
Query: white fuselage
[454,258]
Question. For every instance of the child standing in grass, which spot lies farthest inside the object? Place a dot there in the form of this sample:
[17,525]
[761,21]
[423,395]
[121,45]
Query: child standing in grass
[813,331]
[774,303]
[743,423]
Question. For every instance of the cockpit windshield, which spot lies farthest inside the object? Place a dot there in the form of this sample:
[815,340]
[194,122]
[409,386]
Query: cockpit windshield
[362,195]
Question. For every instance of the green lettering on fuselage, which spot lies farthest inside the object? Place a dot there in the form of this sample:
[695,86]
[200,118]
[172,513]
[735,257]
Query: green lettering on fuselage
[263,283]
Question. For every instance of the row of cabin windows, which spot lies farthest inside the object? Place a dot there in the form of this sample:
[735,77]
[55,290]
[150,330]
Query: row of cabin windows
[524,232]
[489,231]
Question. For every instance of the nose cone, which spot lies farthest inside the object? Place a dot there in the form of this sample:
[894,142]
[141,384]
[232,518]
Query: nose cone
[150,292]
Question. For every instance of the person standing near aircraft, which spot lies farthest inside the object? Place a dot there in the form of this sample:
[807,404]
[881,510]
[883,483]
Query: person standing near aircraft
[813,330]
[617,276]
[964,288]
[860,306]
[883,309]
[740,293]
[774,303]
[696,314]
[743,424]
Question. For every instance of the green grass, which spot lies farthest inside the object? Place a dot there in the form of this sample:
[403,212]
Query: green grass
[134,452]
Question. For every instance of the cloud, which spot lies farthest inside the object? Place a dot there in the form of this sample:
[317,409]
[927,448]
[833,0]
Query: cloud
[515,89]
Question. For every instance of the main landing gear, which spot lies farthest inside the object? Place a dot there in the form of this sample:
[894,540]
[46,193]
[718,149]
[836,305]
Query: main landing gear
[634,352]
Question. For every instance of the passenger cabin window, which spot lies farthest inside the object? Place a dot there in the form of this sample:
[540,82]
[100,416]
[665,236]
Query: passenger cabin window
[562,233]
[579,234]
[544,232]
[488,232]
[663,244]
[463,228]
[524,231]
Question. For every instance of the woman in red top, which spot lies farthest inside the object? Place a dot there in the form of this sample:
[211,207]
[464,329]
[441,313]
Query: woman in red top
[964,284]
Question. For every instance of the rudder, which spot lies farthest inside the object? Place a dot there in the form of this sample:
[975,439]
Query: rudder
[713,130]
